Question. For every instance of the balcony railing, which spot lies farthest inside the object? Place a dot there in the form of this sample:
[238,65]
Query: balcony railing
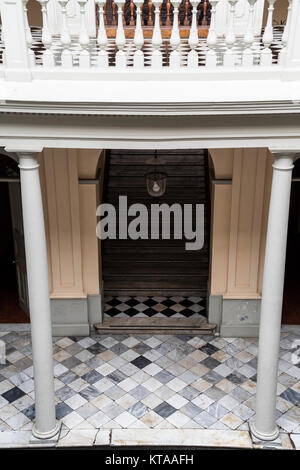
[144,35]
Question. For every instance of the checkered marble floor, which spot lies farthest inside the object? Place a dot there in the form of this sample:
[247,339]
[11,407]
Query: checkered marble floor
[154,306]
[145,381]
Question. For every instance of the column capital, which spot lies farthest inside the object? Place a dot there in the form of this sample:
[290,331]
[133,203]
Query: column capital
[27,158]
[284,159]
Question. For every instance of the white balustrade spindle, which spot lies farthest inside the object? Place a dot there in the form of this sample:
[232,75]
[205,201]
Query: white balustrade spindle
[102,36]
[211,56]
[65,37]
[121,61]
[48,56]
[156,38]
[266,54]
[248,57]
[285,36]
[138,58]
[175,37]
[193,38]
[230,37]
[84,40]
[28,35]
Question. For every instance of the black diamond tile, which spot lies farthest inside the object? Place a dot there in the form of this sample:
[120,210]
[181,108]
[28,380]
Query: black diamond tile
[168,312]
[113,302]
[186,302]
[30,412]
[292,396]
[187,312]
[236,378]
[112,312]
[96,348]
[131,312]
[150,312]
[209,349]
[141,362]
[150,302]
[210,362]
[132,302]
[62,409]
[164,410]
[168,302]
[13,394]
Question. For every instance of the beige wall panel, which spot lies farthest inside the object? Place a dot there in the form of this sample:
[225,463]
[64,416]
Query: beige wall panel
[88,160]
[64,222]
[246,223]
[223,163]
[221,202]
[45,207]
[89,240]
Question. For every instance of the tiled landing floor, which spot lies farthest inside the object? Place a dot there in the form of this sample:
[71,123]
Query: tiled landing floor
[154,306]
[147,381]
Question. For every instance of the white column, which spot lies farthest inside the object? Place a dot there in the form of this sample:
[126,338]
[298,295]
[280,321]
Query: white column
[264,427]
[45,425]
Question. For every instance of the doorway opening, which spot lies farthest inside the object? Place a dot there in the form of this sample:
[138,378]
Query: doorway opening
[156,281]
[13,280]
[291,298]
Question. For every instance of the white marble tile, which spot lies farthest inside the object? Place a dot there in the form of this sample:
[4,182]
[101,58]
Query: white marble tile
[15,438]
[102,438]
[78,437]
[182,437]
[295,438]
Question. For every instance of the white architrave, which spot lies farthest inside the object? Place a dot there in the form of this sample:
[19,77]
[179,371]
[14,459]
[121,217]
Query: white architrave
[264,427]
[45,425]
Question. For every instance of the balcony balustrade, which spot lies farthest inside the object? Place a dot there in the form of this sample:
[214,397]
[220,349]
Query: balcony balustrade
[119,35]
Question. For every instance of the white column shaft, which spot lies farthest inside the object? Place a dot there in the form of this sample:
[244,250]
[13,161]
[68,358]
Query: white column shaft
[38,287]
[271,306]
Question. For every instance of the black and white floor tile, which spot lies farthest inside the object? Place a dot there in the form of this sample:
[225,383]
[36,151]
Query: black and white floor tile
[148,381]
[155,306]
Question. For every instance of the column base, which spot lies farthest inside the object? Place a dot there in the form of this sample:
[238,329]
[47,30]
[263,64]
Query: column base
[263,437]
[48,434]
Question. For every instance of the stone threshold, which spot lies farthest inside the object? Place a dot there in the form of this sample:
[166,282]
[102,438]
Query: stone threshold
[155,326]
[206,438]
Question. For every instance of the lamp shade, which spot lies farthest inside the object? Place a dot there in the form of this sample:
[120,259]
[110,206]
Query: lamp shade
[156,183]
